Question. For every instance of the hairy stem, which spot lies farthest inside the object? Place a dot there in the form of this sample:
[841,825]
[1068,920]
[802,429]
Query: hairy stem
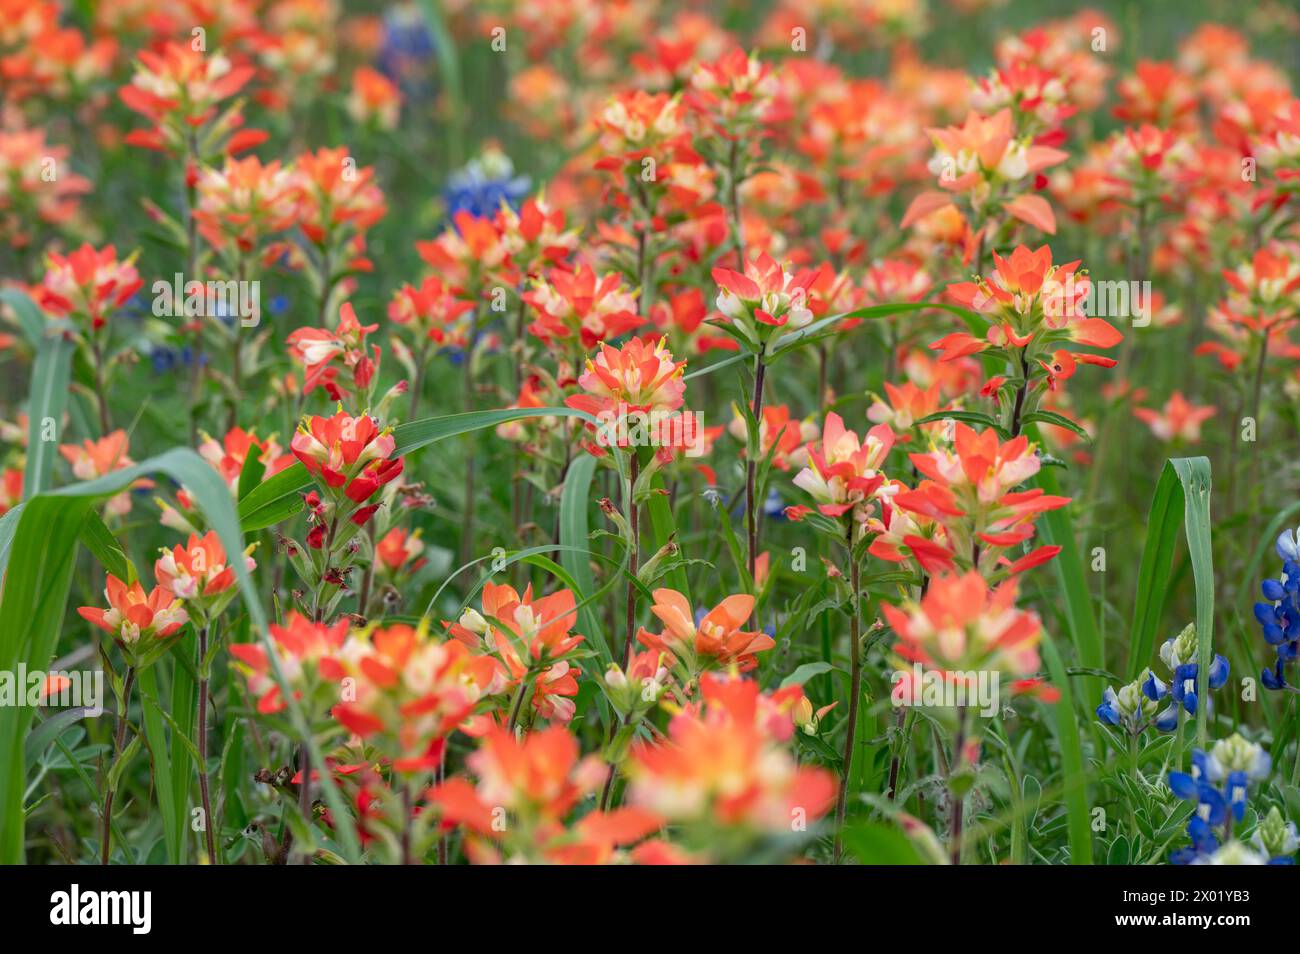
[896,761]
[958,801]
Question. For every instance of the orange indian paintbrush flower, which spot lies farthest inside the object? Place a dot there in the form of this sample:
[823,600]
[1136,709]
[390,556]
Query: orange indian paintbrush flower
[960,628]
[304,650]
[412,691]
[139,622]
[717,640]
[348,454]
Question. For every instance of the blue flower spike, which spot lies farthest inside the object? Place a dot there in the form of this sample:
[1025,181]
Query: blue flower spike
[1219,784]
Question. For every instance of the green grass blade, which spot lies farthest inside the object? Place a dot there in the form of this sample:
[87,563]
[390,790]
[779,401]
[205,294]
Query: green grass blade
[42,557]
[573,534]
[155,734]
[449,68]
[30,318]
[1164,520]
[1194,474]
[1068,740]
[47,393]
[1056,528]
[663,526]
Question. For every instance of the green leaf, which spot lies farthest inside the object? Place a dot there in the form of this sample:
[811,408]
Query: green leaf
[1194,477]
[449,68]
[966,417]
[44,734]
[121,762]
[1057,420]
[160,755]
[275,499]
[663,526]
[573,533]
[820,328]
[1057,529]
[1181,502]
[99,540]
[47,393]
[875,844]
[1067,738]
[417,434]
[184,713]
[805,672]
[717,366]
[40,561]
[30,317]
[251,475]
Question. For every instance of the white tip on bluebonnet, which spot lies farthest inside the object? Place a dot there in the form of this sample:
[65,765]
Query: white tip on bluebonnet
[1288,544]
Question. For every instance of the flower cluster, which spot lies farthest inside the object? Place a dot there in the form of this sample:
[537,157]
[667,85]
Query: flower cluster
[1279,617]
[1218,786]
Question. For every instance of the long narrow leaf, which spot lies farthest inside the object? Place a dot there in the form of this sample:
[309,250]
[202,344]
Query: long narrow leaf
[1067,739]
[573,535]
[1194,475]
[1164,520]
[1057,529]
[47,393]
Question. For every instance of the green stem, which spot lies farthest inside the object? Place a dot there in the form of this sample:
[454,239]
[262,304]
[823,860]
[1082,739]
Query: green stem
[958,801]
[855,690]
[467,516]
[118,740]
[751,470]
[204,793]
[634,552]
[518,703]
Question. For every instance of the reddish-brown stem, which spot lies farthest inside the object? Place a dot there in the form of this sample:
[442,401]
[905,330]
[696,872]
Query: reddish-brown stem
[958,801]
[897,759]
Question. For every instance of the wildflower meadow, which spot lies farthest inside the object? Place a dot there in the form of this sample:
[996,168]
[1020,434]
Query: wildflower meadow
[649,432]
